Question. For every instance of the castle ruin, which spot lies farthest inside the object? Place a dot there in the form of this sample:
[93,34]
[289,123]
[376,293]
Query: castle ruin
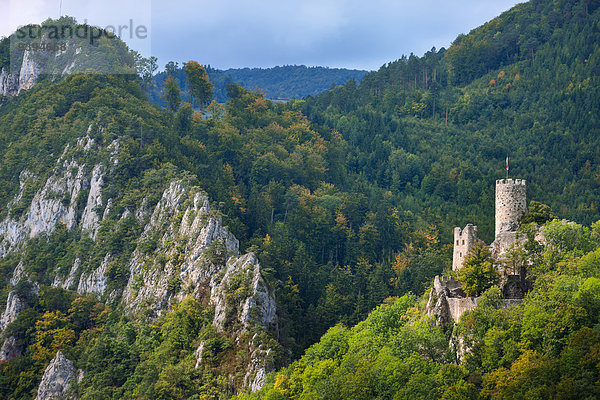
[447,300]
[464,240]
[511,204]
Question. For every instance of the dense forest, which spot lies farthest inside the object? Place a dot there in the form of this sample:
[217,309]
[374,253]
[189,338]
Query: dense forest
[285,82]
[437,128]
[546,348]
[348,199]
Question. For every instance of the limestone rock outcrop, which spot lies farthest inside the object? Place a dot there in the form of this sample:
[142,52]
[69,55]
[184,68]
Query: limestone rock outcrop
[58,200]
[183,250]
[69,281]
[90,218]
[95,281]
[10,349]
[9,83]
[19,79]
[14,306]
[30,70]
[57,379]
[447,301]
[194,247]
[255,304]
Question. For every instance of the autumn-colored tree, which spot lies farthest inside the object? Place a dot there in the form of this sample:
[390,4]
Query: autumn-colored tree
[532,375]
[53,332]
[201,88]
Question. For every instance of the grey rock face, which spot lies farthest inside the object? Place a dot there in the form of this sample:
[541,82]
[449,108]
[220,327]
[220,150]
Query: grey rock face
[9,349]
[195,245]
[441,309]
[69,281]
[55,202]
[57,378]
[94,282]
[18,274]
[447,301]
[30,71]
[90,218]
[14,306]
[9,83]
[187,230]
[258,367]
[198,354]
[12,83]
[192,253]
[243,274]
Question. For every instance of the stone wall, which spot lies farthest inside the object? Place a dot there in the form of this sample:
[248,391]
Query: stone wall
[448,302]
[464,240]
[458,306]
[511,204]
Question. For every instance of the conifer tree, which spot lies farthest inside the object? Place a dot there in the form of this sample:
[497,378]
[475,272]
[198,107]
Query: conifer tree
[171,94]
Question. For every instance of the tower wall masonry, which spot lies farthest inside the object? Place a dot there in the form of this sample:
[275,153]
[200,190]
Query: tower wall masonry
[511,204]
[464,240]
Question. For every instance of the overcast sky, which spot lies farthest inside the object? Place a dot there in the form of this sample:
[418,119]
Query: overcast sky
[252,33]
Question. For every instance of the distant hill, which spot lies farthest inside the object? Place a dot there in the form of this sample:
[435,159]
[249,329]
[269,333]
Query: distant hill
[286,82]
[438,128]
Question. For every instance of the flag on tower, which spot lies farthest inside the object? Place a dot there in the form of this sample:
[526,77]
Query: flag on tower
[507,163]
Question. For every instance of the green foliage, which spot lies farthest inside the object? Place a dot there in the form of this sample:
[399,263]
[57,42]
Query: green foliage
[546,347]
[434,132]
[174,284]
[347,199]
[200,87]
[568,237]
[217,252]
[58,321]
[117,275]
[478,272]
[53,253]
[387,356]
[171,94]
[537,213]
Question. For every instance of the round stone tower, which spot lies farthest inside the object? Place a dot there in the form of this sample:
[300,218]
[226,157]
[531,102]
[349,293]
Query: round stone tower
[511,204]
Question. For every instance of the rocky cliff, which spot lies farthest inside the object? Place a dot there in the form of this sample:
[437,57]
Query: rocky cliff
[57,379]
[182,249]
[9,82]
[15,80]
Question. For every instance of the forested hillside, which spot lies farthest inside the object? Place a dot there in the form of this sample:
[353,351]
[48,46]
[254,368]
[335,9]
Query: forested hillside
[346,199]
[437,128]
[285,82]
[546,348]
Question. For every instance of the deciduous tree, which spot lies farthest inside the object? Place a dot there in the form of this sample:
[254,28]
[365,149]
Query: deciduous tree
[478,272]
[201,88]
